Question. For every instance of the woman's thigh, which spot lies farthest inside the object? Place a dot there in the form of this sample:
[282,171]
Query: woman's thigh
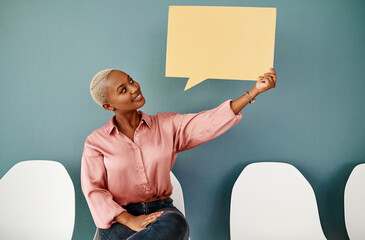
[117,231]
[172,224]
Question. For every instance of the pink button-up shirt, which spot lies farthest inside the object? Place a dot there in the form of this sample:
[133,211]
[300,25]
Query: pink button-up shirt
[116,171]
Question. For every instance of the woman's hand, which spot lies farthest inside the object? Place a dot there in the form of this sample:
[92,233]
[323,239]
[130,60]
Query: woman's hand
[263,84]
[137,223]
[266,82]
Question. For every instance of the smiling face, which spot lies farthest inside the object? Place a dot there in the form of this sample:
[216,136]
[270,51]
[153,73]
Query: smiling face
[124,93]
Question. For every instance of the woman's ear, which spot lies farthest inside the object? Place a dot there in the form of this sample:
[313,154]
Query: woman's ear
[108,107]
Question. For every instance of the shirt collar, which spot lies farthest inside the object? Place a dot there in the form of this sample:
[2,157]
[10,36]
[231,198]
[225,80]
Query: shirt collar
[110,125]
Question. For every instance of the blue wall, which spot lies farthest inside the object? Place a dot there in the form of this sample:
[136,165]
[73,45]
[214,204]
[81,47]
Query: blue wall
[313,119]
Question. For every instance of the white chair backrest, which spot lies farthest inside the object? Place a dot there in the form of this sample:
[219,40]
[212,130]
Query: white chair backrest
[177,196]
[272,200]
[37,201]
[355,203]
[177,193]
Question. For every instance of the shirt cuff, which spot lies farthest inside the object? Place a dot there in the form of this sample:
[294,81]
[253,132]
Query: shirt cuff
[117,211]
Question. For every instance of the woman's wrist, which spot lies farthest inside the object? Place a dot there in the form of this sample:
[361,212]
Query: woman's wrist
[253,92]
[123,218]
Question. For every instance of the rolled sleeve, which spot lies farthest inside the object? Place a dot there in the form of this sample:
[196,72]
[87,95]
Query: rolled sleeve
[93,183]
[193,129]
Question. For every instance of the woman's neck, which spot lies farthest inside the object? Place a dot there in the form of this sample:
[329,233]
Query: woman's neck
[127,121]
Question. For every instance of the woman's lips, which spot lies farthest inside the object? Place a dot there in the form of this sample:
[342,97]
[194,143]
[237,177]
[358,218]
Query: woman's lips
[139,97]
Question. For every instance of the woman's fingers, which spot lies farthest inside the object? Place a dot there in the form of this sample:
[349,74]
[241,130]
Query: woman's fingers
[148,221]
[156,213]
[273,72]
[151,220]
[143,223]
[272,78]
[152,217]
[268,78]
[262,78]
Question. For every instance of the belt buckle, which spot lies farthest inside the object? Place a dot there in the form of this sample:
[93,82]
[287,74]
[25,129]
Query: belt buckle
[144,207]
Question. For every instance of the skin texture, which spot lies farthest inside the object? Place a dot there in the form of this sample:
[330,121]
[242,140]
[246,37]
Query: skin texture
[127,120]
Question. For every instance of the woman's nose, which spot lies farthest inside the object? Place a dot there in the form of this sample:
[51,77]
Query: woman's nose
[133,89]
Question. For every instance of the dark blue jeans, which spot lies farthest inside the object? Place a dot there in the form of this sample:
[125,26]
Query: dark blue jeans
[171,225]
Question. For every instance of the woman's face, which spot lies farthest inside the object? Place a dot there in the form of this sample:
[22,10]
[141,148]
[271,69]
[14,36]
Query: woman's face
[124,93]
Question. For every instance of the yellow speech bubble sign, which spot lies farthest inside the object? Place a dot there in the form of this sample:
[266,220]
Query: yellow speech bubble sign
[235,43]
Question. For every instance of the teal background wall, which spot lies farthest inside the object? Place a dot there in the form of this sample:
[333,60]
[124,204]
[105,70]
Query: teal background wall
[313,119]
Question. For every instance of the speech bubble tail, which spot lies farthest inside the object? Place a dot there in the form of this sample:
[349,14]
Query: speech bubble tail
[192,82]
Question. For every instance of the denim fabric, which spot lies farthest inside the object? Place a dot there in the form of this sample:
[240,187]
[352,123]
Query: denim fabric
[171,225]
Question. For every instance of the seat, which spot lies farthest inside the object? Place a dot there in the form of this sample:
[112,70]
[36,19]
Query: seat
[354,201]
[177,196]
[272,200]
[37,201]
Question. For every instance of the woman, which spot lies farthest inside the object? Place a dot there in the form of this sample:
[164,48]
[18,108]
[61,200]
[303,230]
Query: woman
[126,164]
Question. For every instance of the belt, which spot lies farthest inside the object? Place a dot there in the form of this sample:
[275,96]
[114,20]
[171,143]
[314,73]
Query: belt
[156,198]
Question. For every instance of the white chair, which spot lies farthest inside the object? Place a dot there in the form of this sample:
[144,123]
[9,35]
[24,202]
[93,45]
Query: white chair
[177,193]
[355,203]
[272,200]
[37,202]
[177,196]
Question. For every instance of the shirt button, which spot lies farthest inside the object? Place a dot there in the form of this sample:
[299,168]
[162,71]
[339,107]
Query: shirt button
[140,167]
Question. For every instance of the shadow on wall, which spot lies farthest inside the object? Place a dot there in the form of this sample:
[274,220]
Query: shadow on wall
[334,202]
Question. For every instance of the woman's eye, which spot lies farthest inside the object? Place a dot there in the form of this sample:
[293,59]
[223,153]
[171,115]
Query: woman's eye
[123,90]
[131,81]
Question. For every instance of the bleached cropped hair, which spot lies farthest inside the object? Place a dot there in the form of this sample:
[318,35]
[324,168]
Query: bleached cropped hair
[98,87]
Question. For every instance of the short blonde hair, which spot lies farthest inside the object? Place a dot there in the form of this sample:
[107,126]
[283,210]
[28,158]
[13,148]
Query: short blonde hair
[98,88]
